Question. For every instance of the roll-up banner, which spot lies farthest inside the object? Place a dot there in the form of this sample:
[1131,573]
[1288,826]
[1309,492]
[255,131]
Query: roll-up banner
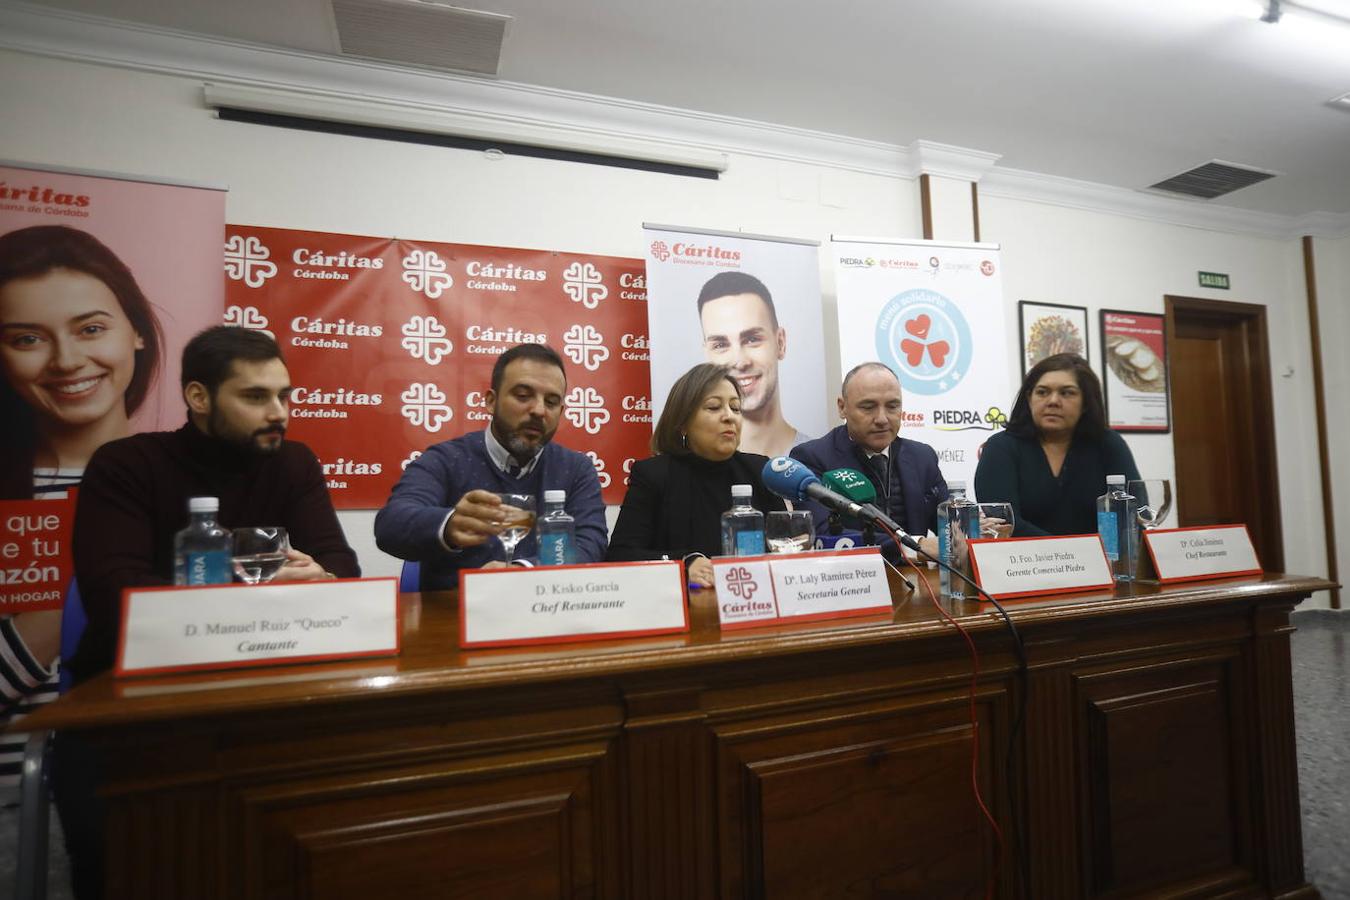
[934,313]
[749,302]
[391,343]
[103,278]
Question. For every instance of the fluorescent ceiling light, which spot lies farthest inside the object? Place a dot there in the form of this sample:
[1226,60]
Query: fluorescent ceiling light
[1333,12]
[433,120]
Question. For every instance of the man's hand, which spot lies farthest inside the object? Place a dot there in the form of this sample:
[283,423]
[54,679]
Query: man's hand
[300,567]
[477,518]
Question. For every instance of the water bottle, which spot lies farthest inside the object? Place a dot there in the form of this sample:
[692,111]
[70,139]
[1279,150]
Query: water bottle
[557,532]
[201,551]
[958,521]
[742,525]
[1116,525]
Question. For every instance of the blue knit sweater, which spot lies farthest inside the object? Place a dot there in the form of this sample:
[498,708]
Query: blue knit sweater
[409,524]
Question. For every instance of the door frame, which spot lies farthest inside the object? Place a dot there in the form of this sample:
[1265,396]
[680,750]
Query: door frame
[1267,487]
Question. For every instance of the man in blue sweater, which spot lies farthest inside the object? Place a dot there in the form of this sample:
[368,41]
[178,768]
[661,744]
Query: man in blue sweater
[445,513]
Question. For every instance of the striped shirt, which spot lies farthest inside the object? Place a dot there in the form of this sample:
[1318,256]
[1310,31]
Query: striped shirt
[25,684]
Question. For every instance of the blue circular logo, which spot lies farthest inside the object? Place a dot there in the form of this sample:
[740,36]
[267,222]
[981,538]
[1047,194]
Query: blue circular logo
[925,338]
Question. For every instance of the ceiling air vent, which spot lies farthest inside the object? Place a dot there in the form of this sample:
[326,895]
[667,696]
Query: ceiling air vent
[419,33]
[1213,179]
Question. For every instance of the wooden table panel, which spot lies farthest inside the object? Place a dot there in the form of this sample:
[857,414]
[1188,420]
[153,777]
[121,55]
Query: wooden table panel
[821,759]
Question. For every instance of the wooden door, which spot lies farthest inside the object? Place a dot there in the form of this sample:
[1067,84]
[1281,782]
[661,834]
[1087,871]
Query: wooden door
[1223,422]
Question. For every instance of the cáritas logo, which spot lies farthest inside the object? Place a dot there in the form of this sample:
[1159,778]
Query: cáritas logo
[41,194]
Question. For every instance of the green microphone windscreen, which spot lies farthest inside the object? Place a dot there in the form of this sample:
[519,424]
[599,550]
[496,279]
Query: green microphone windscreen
[851,483]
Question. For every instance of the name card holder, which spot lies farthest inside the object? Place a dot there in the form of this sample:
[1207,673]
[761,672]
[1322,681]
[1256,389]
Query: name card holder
[1198,553]
[1036,566]
[800,587]
[229,626]
[559,604]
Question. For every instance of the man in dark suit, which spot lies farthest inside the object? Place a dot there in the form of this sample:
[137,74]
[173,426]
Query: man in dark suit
[905,473]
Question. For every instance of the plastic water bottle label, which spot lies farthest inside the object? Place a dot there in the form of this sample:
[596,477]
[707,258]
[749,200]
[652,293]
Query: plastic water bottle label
[208,568]
[555,549]
[1109,528]
[749,543]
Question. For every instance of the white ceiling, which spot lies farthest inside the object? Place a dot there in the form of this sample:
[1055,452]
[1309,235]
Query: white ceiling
[1118,92]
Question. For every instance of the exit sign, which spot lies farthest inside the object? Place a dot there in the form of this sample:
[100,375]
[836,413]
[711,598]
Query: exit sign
[1214,280]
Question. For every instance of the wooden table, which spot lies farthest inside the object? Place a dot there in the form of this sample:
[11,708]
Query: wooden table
[830,759]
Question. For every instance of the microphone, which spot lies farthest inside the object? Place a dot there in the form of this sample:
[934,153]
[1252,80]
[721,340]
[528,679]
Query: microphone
[850,483]
[857,487]
[790,479]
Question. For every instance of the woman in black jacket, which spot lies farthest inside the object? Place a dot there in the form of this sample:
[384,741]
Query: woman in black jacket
[676,498]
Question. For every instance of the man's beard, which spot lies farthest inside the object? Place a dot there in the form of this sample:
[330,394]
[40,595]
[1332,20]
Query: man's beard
[521,450]
[249,443]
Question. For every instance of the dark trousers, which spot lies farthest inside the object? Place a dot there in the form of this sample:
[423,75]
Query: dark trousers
[77,770]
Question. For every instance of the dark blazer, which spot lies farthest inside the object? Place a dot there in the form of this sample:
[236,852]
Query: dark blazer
[674,505]
[921,482]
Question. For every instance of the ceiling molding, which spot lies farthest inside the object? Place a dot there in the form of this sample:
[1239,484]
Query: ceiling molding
[1015,184]
[527,109]
[1334,226]
[932,158]
[92,39]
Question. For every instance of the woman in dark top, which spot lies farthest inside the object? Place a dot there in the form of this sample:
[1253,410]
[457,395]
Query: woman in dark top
[676,498]
[1052,461]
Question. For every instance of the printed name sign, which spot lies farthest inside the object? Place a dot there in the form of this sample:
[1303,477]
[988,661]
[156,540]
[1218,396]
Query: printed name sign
[555,604]
[174,629]
[799,587]
[1192,554]
[1025,567]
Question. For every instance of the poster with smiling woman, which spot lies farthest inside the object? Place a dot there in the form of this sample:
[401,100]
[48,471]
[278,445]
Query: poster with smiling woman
[102,281]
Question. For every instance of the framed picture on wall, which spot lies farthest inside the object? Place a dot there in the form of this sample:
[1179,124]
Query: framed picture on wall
[1050,328]
[1134,376]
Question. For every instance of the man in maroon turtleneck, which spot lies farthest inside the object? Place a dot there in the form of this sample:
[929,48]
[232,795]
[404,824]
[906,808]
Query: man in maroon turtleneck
[134,499]
[135,490]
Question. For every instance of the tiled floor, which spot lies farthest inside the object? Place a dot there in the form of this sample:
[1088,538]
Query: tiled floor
[1321,709]
[1321,649]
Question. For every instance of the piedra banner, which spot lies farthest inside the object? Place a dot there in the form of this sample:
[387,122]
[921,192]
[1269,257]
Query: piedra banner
[390,345]
[934,313]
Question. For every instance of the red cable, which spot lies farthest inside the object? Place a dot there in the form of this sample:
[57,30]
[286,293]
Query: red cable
[974,720]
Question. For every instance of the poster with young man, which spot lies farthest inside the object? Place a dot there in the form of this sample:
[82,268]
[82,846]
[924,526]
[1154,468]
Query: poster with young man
[932,312]
[748,302]
[102,281]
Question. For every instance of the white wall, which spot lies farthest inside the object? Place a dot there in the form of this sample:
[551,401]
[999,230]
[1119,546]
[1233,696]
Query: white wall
[1092,259]
[1332,266]
[86,116]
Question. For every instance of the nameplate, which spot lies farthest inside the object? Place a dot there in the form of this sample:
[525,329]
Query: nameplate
[1026,567]
[799,587]
[179,629]
[1209,551]
[556,604]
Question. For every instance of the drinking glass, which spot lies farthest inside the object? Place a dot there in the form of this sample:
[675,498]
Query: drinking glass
[996,520]
[518,514]
[1153,500]
[789,532]
[259,553]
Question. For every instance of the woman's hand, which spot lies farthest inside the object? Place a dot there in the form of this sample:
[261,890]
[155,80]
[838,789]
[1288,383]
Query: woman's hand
[699,572]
